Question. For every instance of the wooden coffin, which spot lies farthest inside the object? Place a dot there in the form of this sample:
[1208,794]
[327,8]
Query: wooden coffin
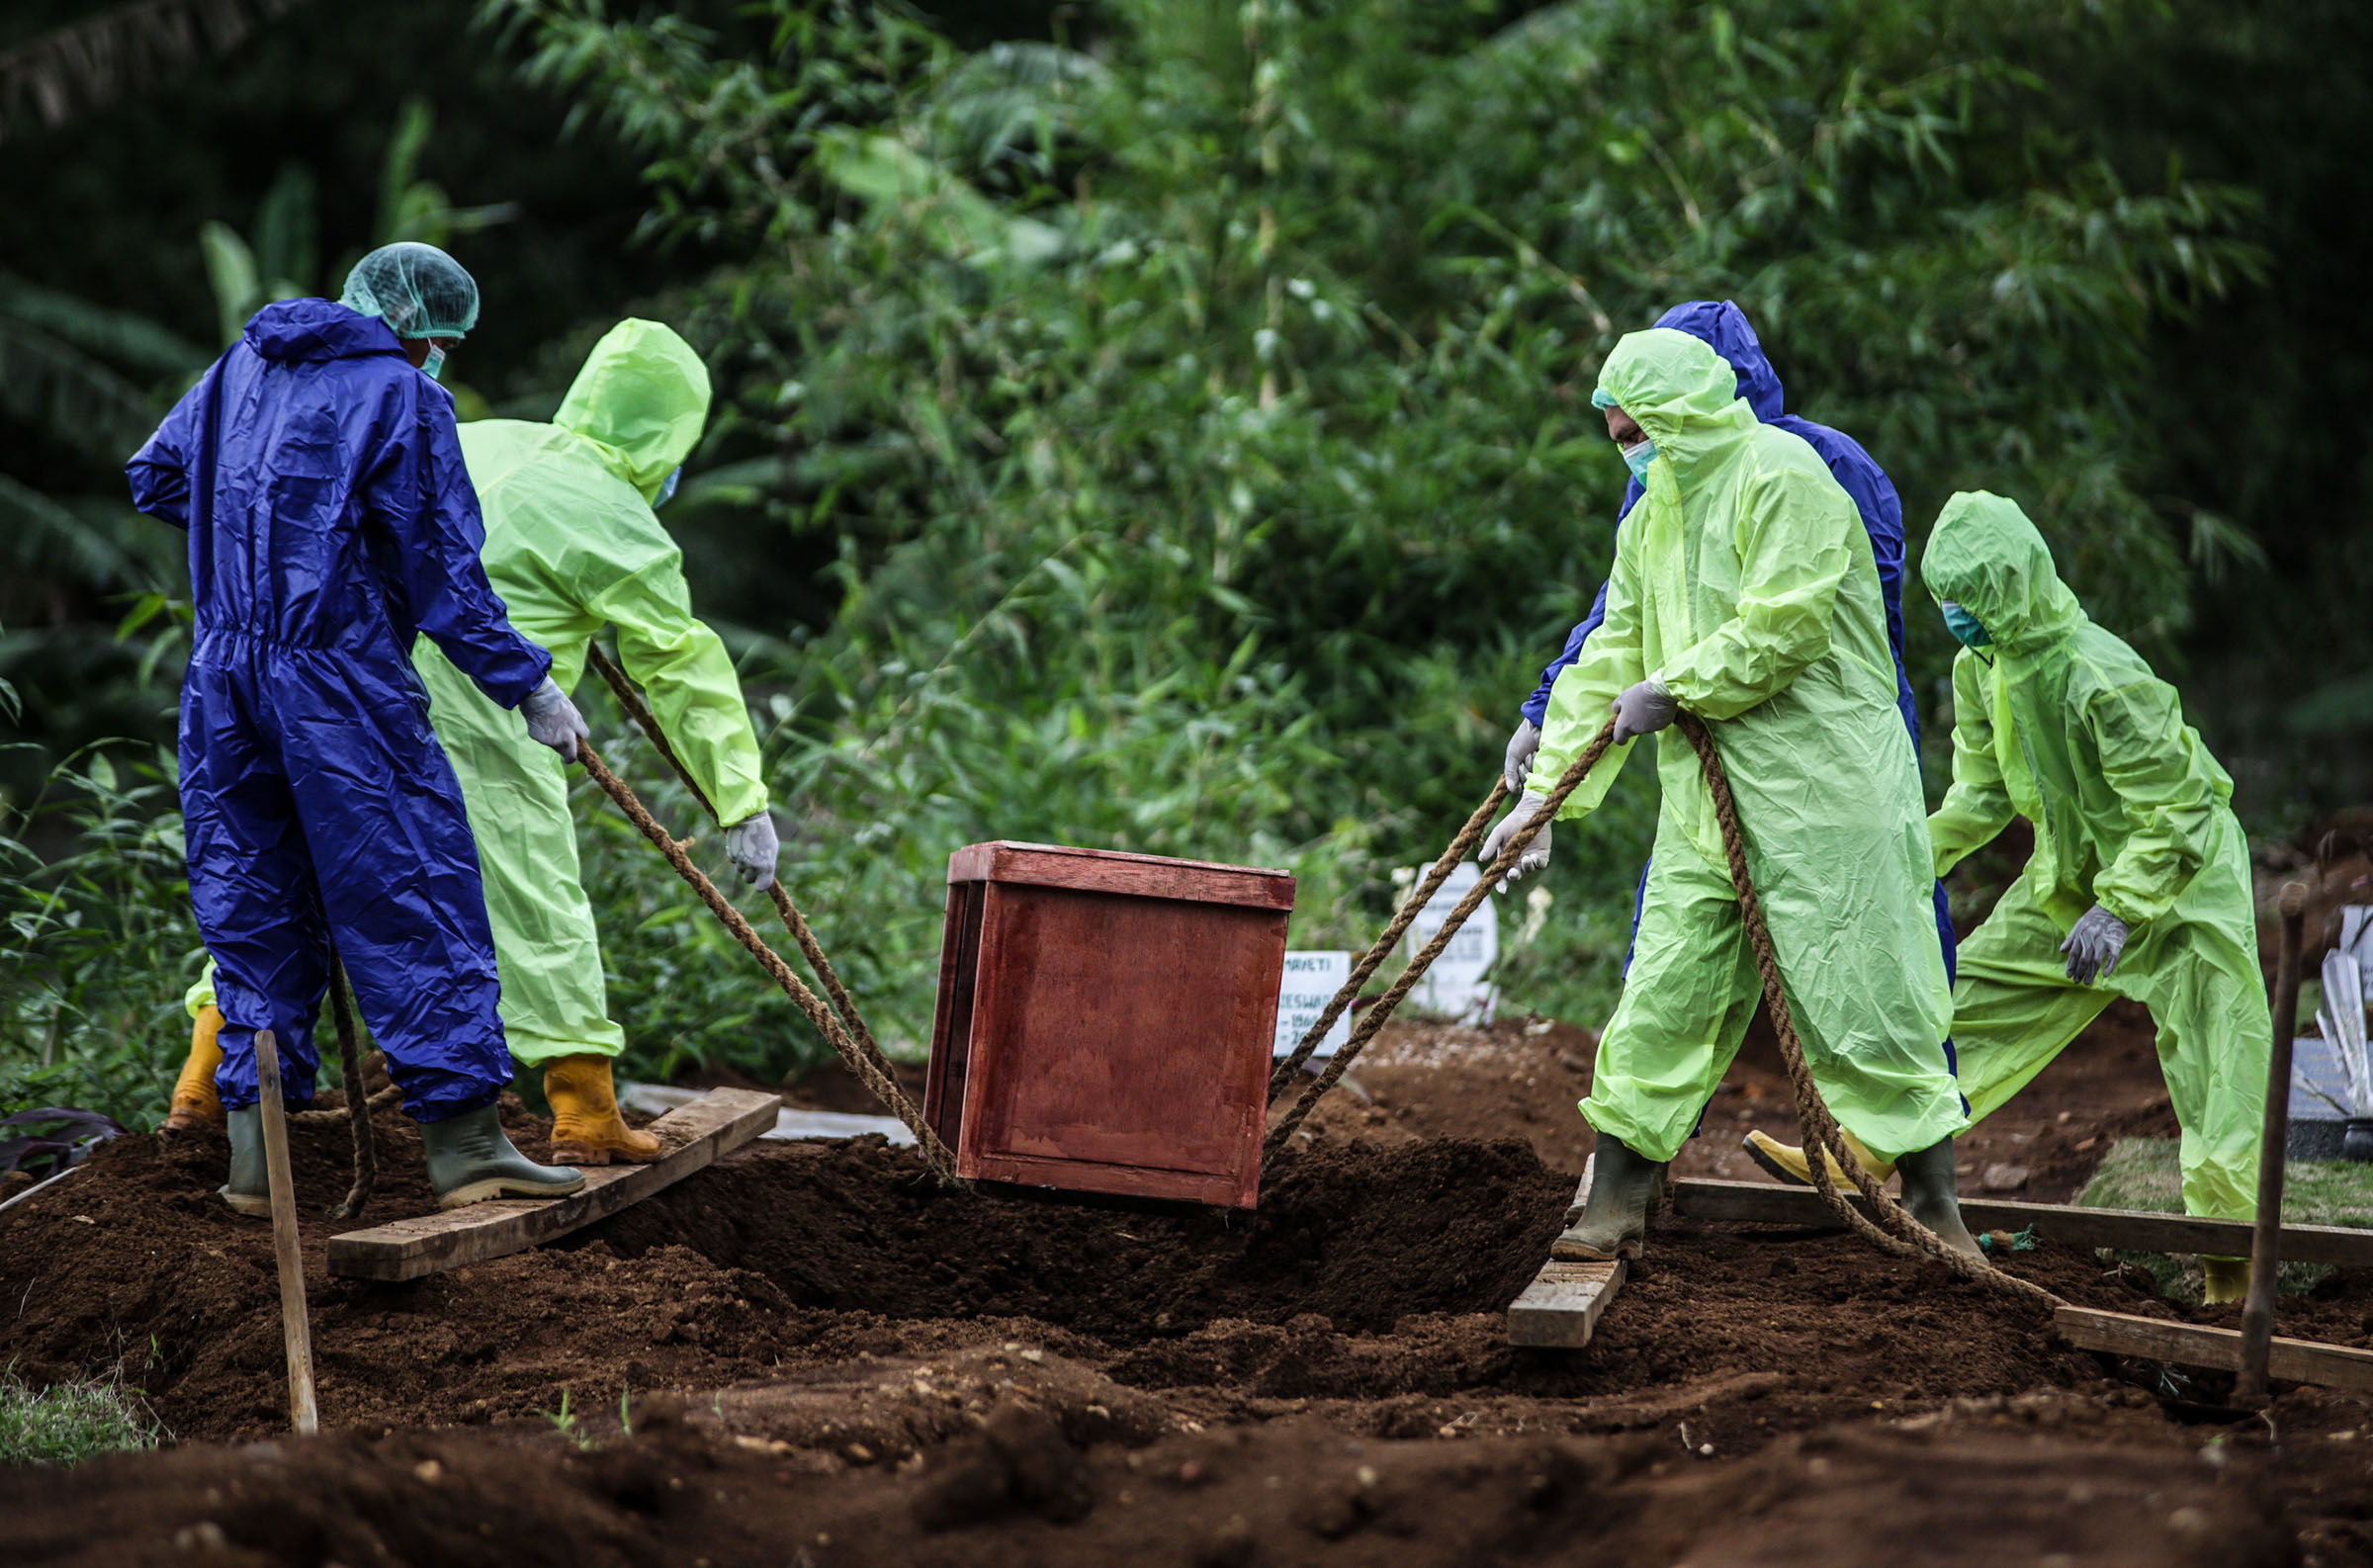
[1105,1020]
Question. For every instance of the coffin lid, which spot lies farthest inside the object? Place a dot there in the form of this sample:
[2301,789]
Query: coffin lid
[1117,871]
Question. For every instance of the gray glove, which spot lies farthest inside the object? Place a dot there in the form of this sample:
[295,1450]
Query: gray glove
[750,844]
[1536,853]
[1641,710]
[553,720]
[1522,747]
[2095,946]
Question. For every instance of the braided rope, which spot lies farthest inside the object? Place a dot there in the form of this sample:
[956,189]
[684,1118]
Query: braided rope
[1370,960]
[1375,1019]
[780,896]
[322,1118]
[872,1071]
[358,1105]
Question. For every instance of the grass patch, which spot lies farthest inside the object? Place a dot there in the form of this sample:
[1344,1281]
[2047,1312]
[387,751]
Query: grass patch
[70,1421]
[2146,1174]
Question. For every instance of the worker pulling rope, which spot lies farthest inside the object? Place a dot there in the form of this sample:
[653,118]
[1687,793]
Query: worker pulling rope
[871,1068]
[1889,1226]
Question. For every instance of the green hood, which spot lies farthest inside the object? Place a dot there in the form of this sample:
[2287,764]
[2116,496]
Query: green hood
[1987,557]
[1683,395]
[642,397]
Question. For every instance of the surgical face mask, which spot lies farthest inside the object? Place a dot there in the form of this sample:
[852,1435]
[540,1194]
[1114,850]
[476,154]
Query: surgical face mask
[668,487]
[1636,458]
[1966,628]
[433,367]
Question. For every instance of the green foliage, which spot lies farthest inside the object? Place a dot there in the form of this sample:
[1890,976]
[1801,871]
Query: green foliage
[1200,428]
[70,1421]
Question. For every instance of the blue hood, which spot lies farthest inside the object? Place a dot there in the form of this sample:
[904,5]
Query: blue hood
[318,329]
[1726,326]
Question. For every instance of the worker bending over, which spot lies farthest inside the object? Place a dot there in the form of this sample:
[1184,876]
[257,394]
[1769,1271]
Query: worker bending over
[1745,593]
[2138,885]
[573,544]
[317,470]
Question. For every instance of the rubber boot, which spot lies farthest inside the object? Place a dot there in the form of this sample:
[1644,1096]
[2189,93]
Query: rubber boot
[249,1190]
[1786,1161]
[586,1128]
[1615,1218]
[470,1159]
[2223,1280]
[1929,1196]
[195,1103]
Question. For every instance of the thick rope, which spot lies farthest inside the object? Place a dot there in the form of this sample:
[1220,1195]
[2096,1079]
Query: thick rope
[788,911]
[322,1118]
[358,1105]
[1376,1016]
[1370,960]
[1893,1230]
[1896,1231]
[874,1072]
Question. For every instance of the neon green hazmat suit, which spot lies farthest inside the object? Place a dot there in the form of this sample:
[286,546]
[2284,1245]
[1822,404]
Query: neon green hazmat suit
[1744,584]
[2061,722]
[573,544]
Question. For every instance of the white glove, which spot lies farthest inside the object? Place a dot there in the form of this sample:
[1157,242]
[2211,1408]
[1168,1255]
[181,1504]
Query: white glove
[1643,709]
[1536,853]
[750,844]
[1523,746]
[553,720]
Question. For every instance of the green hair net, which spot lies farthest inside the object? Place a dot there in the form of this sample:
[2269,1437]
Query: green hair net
[416,289]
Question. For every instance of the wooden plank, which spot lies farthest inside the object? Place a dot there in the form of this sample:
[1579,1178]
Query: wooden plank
[2340,1367]
[1117,871]
[1769,1203]
[721,1120]
[1559,1310]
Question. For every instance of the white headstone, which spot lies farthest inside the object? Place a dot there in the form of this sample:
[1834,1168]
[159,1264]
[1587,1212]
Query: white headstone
[1310,983]
[1455,986]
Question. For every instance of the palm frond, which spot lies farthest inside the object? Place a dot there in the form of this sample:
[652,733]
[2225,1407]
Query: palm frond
[86,65]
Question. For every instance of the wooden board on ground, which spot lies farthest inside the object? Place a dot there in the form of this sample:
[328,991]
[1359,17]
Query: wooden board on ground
[721,1120]
[2338,1366]
[1559,1310]
[1768,1203]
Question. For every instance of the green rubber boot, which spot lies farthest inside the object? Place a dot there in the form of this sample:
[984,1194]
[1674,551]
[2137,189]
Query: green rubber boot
[249,1190]
[470,1160]
[1929,1198]
[1615,1217]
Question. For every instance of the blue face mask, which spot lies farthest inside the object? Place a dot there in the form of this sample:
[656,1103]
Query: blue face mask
[433,367]
[1638,458]
[1966,628]
[668,487]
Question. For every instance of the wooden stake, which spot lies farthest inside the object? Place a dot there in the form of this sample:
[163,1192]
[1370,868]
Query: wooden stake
[295,1330]
[2265,1250]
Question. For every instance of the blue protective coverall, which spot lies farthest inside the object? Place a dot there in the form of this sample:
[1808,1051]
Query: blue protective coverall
[330,519]
[1726,326]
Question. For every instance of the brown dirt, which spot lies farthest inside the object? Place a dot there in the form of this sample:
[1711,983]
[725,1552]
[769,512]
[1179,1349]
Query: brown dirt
[835,1363]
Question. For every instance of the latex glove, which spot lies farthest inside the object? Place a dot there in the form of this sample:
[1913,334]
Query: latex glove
[553,720]
[1522,747]
[1536,853]
[2095,946]
[1641,710]
[750,844]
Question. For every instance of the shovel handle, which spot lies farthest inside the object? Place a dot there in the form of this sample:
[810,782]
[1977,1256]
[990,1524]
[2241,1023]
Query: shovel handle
[296,1328]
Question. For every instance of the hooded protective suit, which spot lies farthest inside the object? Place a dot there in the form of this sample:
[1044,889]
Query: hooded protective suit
[2064,725]
[1726,326]
[330,522]
[1744,584]
[573,544]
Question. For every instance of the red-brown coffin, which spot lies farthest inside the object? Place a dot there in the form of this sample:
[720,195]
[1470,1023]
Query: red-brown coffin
[1105,1020]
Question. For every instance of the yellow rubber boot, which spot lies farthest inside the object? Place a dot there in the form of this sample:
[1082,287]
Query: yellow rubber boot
[586,1128]
[195,1103]
[2224,1280]
[1787,1161]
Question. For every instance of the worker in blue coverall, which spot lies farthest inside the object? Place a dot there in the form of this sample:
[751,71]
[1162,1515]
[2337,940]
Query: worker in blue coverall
[1726,326]
[317,470]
